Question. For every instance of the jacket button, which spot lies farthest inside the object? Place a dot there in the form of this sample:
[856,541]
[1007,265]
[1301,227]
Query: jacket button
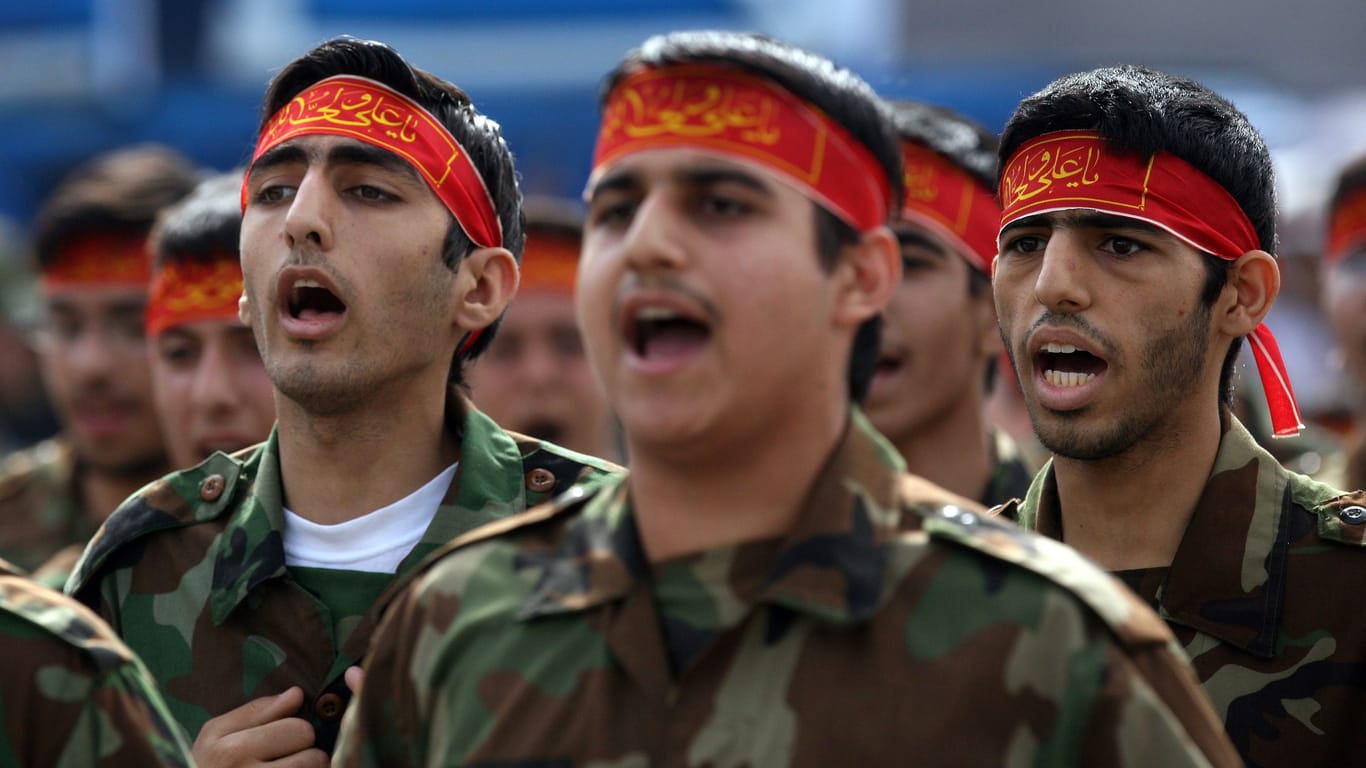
[540,480]
[329,706]
[211,488]
[1353,515]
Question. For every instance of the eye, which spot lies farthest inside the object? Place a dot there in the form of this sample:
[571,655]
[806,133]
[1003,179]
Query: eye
[910,264]
[611,212]
[1122,246]
[721,205]
[274,193]
[177,352]
[1024,244]
[372,194]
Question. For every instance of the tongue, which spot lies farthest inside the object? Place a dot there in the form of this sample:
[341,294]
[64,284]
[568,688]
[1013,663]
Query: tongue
[675,340]
[309,313]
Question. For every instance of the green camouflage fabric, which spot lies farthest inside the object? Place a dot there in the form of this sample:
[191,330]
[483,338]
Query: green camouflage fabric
[72,694]
[40,511]
[1260,597]
[894,624]
[191,572]
[1011,474]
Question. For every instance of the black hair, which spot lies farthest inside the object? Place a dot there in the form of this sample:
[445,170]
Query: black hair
[1143,111]
[203,227]
[843,96]
[118,193]
[480,136]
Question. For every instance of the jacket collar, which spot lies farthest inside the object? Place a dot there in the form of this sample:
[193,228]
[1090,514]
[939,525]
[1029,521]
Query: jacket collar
[831,566]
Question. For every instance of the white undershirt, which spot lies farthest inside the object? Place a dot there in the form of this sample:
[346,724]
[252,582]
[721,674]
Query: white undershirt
[376,542]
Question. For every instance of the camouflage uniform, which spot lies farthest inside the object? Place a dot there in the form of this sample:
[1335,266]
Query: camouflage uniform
[1256,597]
[1010,472]
[40,508]
[71,694]
[191,573]
[892,624]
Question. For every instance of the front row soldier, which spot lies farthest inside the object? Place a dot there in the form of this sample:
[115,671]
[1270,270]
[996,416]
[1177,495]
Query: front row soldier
[1343,287]
[72,694]
[940,343]
[375,263]
[1135,256]
[768,586]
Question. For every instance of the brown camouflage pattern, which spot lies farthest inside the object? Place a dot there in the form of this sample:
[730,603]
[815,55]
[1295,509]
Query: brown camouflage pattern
[72,694]
[893,625]
[40,509]
[195,581]
[1261,595]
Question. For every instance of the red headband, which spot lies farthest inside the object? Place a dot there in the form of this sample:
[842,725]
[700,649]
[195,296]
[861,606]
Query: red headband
[99,260]
[378,115]
[1075,169]
[722,109]
[189,291]
[954,205]
[1346,226]
[549,263]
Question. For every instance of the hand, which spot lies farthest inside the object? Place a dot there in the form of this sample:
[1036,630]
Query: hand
[261,730]
[355,677]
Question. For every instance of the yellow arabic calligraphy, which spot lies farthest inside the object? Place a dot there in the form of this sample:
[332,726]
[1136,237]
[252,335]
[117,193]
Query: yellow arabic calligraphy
[1035,174]
[332,105]
[709,110]
[920,183]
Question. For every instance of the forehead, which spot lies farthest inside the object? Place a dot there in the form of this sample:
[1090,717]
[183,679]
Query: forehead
[209,330]
[328,149]
[94,298]
[685,166]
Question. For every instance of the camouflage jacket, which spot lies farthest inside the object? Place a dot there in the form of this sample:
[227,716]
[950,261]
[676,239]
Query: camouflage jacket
[40,511]
[892,623]
[71,694]
[191,573]
[1256,595]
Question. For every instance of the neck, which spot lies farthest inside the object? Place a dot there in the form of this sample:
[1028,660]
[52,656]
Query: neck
[750,491]
[1130,511]
[102,491]
[338,467]
[953,451]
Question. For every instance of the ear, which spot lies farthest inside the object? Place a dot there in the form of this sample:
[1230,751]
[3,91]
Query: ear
[244,309]
[1254,279]
[983,308]
[485,283]
[868,272]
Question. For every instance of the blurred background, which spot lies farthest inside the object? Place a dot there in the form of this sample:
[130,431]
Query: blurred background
[84,76]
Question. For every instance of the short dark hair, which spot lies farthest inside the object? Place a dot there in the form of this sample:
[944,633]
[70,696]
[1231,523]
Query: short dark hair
[1144,111]
[1350,179]
[839,93]
[119,193]
[480,135]
[203,227]
[964,142]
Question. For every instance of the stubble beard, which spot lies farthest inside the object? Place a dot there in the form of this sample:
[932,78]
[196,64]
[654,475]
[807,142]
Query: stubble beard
[1171,365]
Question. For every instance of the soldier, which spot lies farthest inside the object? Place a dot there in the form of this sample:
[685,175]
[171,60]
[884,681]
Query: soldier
[768,587]
[71,694]
[212,391]
[91,248]
[380,237]
[1344,302]
[1135,256]
[535,378]
[939,337]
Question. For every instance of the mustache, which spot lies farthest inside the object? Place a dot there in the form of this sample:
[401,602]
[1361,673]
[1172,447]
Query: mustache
[636,283]
[1076,322]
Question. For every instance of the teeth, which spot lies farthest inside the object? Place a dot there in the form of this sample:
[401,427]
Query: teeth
[1067,378]
[1059,349]
[655,313]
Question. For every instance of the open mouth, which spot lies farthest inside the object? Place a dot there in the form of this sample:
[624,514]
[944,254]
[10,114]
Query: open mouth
[309,300]
[1066,366]
[654,332]
[888,364]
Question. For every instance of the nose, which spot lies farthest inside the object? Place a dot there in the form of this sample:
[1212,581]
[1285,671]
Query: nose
[215,386]
[654,240]
[310,215]
[1061,284]
[92,354]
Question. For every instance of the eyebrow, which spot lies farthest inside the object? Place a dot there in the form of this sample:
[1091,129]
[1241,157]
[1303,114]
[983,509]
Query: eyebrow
[920,240]
[625,180]
[1082,219]
[357,154]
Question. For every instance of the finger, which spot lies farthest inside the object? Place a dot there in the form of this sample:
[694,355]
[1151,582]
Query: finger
[271,741]
[309,758]
[355,678]
[253,713]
